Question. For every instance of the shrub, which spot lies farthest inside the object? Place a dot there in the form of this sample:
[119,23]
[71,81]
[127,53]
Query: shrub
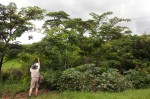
[70,80]
[88,77]
[103,79]
[26,57]
[91,69]
[11,89]
[16,74]
[13,76]
[111,81]
[90,72]
[50,79]
[139,79]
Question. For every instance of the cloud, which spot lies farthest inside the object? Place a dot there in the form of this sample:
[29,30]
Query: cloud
[145,23]
[24,39]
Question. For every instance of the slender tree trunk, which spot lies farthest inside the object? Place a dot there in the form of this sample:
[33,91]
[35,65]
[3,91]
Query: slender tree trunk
[65,65]
[1,62]
[0,68]
[97,59]
[85,59]
[65,62]
[97,62]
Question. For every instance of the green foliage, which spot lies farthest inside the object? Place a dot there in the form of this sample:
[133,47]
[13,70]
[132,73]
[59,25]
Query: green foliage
[12,64]
[59,49]
[111,81]
[105,79]
[11,76]
[14,23]
[70,80]
[50,79]
[11,89]
[126,53]
[26,77]
[139,79]
[91,69]
[32,13]
[55,21]
[91,78]
[10,83]
[14,50]
[106,28]
[141,47]
[26,57]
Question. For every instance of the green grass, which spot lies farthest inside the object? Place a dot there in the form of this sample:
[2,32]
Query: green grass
[128,94]
[11,64]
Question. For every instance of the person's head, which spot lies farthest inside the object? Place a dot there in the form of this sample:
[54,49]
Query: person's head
[34,67]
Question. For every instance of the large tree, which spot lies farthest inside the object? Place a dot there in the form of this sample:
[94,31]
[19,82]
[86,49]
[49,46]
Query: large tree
[104,28]
[61,38]
[14,23]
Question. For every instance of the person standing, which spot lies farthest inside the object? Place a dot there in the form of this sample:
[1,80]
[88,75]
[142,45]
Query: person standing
[35,74]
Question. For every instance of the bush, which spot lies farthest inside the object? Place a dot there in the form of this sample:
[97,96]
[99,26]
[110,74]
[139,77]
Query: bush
[70,80]
[50,79]
[90,72]
[11,89]
[13,76]
[91,69]
[26,77]
[103,79]
[139,79]
[10,83]
[88,77]
[111,81]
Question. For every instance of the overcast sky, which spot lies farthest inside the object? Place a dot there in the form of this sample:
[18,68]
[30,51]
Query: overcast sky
[137,10]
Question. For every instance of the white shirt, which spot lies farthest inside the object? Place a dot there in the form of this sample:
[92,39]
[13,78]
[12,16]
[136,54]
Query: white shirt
[35,73]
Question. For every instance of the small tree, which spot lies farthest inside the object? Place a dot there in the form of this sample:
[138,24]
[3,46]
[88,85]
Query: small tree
[14,23]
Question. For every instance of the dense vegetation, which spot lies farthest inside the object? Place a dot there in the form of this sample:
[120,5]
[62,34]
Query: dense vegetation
[97,54]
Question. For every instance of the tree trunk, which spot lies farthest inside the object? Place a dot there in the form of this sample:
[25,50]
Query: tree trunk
[0,68]
[65,62]
[1,62]
[65,65]
[97,59]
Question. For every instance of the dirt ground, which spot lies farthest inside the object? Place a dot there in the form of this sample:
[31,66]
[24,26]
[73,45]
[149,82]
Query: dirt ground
[24,95]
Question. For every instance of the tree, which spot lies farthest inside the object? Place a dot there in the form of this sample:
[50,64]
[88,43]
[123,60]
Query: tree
[56,20]
[128,52]
[107,28]
[14,23]
[104,29]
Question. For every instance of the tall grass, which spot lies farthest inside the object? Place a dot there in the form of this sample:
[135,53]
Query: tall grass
[128,94]
[15,63]
[11,89]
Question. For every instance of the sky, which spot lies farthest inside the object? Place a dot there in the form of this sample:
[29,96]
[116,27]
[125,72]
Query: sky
[136,10]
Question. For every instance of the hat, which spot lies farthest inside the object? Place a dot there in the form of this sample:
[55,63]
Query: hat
[34,66]
[37,64]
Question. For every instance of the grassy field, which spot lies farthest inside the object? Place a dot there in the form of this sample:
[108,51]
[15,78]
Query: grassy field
[11,64]
[129,94]
[43,94]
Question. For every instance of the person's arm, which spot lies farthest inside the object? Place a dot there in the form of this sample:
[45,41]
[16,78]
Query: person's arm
[38,62]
